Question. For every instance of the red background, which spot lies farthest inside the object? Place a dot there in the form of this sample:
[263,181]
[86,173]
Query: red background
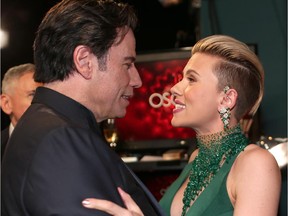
[142,121]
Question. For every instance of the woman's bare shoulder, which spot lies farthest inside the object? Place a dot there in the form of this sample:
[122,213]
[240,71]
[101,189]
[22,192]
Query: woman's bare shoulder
[255,158]
[255,162]
[256,155]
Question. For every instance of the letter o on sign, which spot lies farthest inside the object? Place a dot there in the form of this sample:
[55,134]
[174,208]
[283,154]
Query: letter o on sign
[162,100]
[151,100]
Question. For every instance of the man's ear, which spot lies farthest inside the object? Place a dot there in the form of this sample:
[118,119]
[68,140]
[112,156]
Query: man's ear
[229,99]
[82,57]
[6,104]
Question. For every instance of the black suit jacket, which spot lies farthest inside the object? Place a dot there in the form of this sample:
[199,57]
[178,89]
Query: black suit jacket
[4,140]
[57,157]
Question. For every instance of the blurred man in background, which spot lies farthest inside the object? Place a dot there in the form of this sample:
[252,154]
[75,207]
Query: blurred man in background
[18,89]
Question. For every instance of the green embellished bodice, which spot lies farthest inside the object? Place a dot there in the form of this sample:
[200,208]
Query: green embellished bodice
[208,171]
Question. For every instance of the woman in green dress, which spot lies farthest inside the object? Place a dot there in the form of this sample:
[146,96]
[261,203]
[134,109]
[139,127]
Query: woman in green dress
[226,175]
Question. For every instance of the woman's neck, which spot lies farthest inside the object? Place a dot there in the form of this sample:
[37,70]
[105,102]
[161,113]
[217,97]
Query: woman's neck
[212,138]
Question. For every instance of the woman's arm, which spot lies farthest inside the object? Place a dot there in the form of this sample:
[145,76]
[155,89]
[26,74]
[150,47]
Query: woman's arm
[116,210]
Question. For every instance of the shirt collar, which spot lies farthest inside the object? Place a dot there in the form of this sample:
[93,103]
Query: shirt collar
[67,107]
[11,128]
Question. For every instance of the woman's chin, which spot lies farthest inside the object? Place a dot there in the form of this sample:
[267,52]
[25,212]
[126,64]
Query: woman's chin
[175,123]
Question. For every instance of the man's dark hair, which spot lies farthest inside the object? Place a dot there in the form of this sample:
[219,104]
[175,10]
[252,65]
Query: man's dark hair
[96,24]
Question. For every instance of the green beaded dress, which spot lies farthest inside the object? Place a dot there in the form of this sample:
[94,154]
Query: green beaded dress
[213,200]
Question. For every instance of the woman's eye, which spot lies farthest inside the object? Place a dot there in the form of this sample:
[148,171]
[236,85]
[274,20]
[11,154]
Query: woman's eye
[191,79]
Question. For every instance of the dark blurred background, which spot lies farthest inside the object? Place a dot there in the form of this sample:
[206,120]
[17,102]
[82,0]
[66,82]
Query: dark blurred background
[158,26]
[259,22]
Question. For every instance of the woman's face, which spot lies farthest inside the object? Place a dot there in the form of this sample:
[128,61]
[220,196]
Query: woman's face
[196,96]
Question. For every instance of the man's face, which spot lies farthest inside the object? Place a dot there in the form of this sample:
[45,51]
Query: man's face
[112,88]
[21,96]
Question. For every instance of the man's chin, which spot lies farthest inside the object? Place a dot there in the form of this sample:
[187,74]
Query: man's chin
[121,114]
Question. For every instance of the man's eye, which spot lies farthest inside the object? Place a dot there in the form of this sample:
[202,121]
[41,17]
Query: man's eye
[31,94]
[128,65]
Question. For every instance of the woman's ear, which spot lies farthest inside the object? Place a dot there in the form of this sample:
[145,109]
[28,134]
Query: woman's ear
[229,99]
[6,104]
[82,57]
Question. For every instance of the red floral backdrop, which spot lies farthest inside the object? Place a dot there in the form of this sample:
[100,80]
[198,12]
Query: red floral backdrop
[143,121]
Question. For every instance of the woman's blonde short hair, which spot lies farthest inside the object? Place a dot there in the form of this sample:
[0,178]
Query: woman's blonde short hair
[239,69]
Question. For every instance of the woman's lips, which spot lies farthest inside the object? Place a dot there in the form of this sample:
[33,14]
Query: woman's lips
[178,107]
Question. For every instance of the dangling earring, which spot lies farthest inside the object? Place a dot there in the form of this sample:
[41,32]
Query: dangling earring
[225,116]
[225,112]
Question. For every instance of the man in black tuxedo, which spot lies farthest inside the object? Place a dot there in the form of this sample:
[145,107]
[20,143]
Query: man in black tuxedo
[18,89]
[84,52]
